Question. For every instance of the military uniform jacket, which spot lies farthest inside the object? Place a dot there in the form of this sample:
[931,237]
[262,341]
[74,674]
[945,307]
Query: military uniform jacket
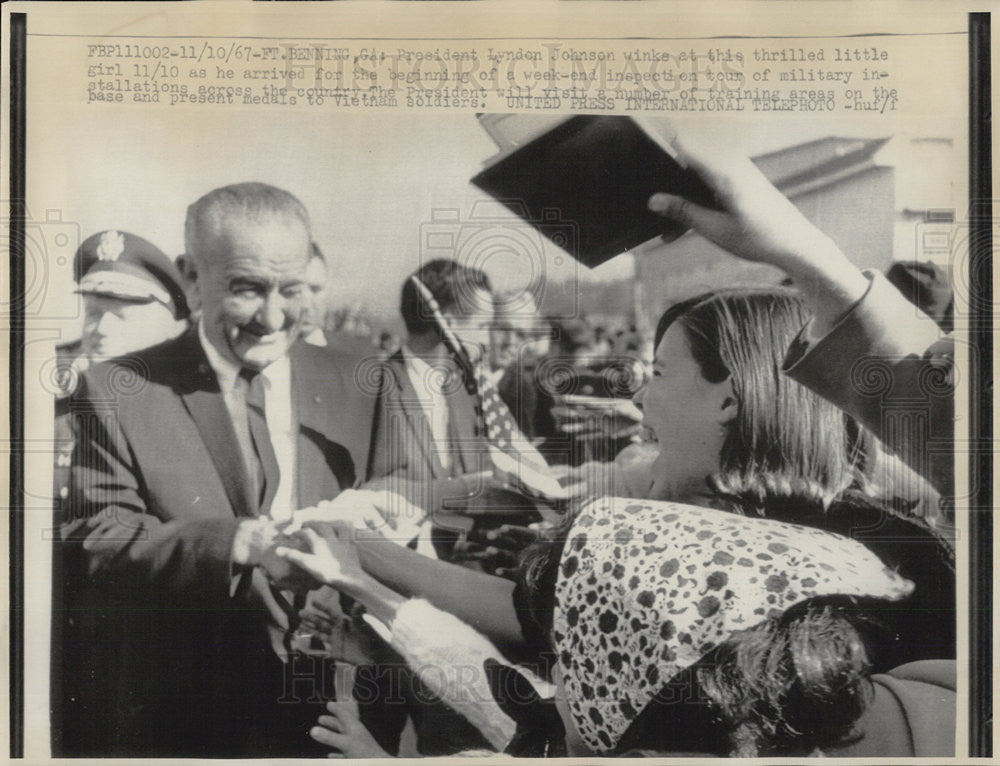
[888,365]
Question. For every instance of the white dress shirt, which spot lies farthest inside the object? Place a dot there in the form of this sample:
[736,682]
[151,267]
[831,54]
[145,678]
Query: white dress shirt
[281,424]
[315,337]
[429,383]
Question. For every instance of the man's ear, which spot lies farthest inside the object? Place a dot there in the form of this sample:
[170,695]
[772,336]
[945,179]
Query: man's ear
[186,266]
[189,273]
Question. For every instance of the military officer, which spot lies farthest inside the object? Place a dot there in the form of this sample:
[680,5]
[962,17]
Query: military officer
[132,299]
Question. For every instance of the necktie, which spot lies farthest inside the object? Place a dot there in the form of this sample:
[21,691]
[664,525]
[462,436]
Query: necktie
[265,481]
[263,462]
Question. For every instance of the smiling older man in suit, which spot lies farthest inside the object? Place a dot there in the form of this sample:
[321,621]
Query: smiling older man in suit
[189,456]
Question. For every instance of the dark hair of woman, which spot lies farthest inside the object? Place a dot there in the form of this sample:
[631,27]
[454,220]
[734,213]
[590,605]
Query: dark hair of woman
[790,685]
[786,442]
[535,593]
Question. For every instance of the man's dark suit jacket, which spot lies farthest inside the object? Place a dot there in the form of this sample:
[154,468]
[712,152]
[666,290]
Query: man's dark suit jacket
[406,445]
[167,660]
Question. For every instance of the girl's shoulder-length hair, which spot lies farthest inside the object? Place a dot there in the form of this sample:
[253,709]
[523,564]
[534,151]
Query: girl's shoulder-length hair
[785,441]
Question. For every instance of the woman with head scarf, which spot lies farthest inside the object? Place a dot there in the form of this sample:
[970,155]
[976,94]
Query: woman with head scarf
[734,433]
[689,630]
[676,630]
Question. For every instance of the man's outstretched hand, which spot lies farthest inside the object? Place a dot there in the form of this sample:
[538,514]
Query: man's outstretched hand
[329,558]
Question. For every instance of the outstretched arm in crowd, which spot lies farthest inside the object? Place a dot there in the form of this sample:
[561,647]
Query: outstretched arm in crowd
[447,586]
[866,347]
[758,223]
[452,670]
[386,516]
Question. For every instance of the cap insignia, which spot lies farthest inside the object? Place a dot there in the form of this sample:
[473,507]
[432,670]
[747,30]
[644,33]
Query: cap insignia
[112,245]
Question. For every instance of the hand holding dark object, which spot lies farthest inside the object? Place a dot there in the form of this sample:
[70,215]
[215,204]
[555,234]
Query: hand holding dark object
[342,730]
[758,223]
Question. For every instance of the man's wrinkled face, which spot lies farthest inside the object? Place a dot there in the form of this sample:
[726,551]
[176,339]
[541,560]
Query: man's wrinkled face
[312,318]
[251,286]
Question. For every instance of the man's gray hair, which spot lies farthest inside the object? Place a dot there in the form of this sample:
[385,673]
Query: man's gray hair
[250,201]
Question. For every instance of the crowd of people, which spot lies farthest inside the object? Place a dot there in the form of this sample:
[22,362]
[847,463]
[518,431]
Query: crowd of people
[503,535]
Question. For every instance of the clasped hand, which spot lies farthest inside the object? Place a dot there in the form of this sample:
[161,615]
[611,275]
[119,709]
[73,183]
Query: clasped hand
[322,554]
[301,558]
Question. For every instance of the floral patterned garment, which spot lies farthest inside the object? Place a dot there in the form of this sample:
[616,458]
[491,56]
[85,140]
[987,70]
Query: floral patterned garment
[646,589]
